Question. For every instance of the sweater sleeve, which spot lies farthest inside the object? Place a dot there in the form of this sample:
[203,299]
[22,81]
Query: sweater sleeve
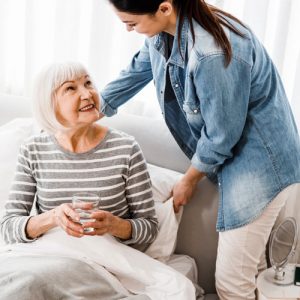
[130,81]
[140,200]
[20,201]
[224,103]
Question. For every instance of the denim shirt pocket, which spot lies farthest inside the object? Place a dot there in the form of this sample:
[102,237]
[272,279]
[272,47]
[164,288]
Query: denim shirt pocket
[191,108]
[193,111]
[193,116]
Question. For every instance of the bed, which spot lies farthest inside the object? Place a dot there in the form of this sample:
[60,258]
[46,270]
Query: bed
[196,247]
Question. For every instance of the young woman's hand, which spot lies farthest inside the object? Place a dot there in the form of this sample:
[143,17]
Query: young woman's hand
[67,218]
[182,192]
[184,189]
[106,222]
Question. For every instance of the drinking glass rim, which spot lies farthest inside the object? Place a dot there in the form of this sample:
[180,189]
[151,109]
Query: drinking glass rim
[81,196]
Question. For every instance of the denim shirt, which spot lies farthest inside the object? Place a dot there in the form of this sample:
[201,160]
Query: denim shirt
[234,122]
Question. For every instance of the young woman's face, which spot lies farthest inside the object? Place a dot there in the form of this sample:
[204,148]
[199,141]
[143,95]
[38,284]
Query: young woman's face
[148,25]
[77,103]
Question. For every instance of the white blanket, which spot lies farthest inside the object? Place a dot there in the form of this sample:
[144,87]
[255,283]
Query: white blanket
[136,271]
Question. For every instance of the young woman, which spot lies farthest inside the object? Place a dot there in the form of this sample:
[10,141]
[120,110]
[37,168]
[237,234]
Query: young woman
[224,103]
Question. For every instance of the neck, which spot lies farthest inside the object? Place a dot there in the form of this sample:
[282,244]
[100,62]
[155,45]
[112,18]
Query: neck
[81,139]
[171,26]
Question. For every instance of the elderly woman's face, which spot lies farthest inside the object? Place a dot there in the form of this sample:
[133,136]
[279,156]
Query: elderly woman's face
[77,102]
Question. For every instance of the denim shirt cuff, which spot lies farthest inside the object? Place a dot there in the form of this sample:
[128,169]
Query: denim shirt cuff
[106,108]
[203,167]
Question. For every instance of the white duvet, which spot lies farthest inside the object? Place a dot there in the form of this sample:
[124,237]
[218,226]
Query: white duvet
[135,271]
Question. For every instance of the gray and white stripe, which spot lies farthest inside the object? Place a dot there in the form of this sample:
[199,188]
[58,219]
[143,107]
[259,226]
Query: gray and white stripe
[115,170]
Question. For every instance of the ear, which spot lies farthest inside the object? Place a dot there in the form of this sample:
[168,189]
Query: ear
[165,8]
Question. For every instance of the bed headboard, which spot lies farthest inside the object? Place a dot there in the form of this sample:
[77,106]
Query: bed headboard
[14,107]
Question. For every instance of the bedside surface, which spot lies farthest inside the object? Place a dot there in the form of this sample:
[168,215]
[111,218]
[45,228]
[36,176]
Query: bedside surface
[268,290]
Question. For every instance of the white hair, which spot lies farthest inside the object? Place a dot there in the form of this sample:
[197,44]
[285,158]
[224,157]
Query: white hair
[46,84]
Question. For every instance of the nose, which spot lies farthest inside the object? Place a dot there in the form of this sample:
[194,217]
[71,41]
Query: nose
[85,94]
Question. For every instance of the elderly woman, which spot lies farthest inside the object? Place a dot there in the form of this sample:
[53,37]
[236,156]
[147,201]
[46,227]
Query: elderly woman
[75,153]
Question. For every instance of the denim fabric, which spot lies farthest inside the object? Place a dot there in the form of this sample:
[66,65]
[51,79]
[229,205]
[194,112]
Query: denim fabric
[234,122]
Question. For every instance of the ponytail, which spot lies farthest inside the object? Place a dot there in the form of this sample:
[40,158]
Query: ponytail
[211,19]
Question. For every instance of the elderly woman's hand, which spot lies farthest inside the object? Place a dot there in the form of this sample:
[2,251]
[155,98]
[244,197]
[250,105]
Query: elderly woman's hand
[65,217]
[106,222]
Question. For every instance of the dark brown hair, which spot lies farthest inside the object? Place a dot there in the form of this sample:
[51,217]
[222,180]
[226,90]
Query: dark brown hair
[208,16]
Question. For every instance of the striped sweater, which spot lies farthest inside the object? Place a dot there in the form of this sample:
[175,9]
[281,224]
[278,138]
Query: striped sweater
[115,170]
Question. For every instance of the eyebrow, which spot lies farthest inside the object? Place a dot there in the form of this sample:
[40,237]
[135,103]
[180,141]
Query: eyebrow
[69,81]
[72,81]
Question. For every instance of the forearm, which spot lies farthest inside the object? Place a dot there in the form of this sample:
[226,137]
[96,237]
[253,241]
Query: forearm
[38,225]
[193,176]
[130,81]
[121,229]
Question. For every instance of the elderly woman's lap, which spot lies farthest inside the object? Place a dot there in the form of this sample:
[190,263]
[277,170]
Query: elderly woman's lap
[52,278]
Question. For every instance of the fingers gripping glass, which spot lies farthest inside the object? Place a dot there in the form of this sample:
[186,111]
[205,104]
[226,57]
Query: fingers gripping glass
[85,204]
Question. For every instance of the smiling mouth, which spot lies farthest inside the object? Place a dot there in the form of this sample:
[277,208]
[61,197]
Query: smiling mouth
[87,107]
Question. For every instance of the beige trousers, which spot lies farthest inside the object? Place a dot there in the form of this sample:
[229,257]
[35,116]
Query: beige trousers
[241,251]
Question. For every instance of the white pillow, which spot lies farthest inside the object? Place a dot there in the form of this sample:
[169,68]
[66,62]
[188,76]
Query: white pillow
[163,181]
[1,238]
[12,135]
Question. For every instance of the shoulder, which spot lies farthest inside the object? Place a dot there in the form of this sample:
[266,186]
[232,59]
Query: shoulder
[205,45]
[122,142]
[118,137]
[37,141]
[42,137]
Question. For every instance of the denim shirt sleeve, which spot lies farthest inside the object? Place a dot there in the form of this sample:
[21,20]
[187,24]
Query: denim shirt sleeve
[130,82]
[224,96]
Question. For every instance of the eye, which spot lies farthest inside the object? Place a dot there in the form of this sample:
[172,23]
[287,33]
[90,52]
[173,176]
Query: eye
[89,83]
[132,25]
[70,88]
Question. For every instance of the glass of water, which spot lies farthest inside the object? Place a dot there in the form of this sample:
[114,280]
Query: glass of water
[85,204]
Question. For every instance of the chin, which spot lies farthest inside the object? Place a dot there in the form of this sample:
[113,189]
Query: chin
[150,35]
[90,120]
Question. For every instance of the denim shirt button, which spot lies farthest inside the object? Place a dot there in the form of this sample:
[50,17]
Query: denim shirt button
[176,85]
[195,111]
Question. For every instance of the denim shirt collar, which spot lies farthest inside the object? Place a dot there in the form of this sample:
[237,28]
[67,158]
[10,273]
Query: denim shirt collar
[178,55]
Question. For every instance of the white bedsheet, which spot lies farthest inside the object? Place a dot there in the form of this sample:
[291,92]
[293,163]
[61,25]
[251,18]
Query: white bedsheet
[186,265]
[136,271]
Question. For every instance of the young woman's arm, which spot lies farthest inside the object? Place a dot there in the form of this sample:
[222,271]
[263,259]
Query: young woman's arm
[184,189]
[129,82]
[224,93]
